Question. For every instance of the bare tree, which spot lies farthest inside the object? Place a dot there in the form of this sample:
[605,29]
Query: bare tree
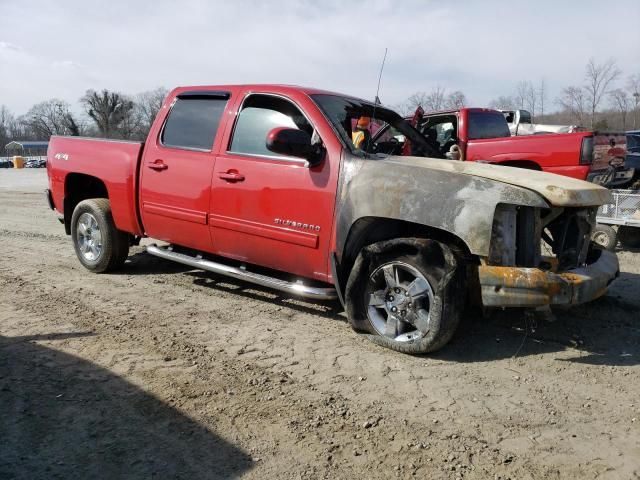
[599,78]
[18,129]
[148,105]
[531,99]
[108,110]
[622,103]
[522,93]
[132,125]
[542,95]
[456,100]
[503,103]
[71,124]
[418,99]
[52,117]
[633,86]
[6,119]
[573,101]
[435,99]
[431,101]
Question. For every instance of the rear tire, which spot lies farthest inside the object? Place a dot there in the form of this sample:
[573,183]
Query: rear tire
[99,245]
[408,294]
[629,236]
[605,236]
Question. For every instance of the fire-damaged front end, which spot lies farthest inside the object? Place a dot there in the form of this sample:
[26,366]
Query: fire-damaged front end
[544,256]
[525,235]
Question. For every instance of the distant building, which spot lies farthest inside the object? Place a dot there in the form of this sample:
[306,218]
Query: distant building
[26,148]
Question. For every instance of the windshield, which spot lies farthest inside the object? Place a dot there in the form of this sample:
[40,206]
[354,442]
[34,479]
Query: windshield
[633,143]
[357,122]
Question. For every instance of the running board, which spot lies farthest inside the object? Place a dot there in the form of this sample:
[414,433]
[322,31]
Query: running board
[240,273]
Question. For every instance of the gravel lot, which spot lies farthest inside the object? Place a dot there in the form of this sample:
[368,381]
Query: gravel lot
[162,371]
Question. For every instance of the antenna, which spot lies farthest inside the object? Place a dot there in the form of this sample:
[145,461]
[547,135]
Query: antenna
[380,75]
[377,99]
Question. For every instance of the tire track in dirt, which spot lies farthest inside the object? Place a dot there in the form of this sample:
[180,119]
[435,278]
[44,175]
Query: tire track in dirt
[289,382]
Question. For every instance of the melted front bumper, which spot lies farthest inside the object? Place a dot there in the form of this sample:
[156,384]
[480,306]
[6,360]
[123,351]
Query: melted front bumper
[533,287]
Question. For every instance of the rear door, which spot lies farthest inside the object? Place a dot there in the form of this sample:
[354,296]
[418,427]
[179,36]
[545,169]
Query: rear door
[176,170]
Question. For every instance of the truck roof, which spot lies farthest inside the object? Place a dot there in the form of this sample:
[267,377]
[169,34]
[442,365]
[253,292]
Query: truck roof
[268,87]
[455,110]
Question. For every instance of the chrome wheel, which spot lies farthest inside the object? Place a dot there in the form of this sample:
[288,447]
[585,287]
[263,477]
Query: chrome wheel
[399,299]
[89,237]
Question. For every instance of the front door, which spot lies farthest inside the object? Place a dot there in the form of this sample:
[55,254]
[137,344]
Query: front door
[267,209]
[176,171]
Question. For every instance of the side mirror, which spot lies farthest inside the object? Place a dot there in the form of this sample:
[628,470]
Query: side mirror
[295,143]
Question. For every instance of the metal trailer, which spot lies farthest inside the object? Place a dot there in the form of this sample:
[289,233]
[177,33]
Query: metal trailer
[623,212]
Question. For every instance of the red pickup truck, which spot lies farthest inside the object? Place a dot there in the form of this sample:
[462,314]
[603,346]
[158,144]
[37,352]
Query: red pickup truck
[481,134]
[264,184]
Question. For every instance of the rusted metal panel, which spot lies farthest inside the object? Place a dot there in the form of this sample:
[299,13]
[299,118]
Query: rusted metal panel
[532,287]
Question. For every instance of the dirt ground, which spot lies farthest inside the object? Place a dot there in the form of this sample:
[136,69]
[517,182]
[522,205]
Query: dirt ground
[161,371]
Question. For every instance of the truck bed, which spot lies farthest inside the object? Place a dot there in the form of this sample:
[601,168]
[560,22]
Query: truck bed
[557,153]
[114,162]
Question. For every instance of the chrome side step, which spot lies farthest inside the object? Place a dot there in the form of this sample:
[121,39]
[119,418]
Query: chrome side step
[242,274]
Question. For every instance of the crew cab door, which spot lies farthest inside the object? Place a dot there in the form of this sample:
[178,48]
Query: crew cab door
[272,210]
[176,169]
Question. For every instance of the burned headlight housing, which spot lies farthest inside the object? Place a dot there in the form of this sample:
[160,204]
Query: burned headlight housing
[515,236]
[557,238]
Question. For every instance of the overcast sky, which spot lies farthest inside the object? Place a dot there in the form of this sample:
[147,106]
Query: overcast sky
[60,49]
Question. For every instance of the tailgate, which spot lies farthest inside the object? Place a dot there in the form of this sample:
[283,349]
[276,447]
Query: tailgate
[607,147]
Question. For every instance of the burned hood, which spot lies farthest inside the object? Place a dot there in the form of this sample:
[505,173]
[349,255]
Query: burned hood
[407,190]
[558,190]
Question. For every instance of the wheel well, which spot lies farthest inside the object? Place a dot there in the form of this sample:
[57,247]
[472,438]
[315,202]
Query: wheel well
[369,230]
[79,187]
[525,164]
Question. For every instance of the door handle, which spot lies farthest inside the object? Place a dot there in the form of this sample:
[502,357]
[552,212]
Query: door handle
[231,176]
[157,165]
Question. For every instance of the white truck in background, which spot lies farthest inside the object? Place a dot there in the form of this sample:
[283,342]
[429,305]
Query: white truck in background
[520,123]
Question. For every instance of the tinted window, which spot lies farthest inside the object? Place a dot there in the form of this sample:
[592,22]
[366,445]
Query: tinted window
[259,115]
[633,143]
[525,117]
[487,125]
[193,123]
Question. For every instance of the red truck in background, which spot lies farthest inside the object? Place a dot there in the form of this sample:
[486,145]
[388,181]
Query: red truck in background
[482,135]
[263,183]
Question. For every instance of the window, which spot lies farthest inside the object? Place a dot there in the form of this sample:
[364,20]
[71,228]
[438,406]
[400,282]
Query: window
[259,115]
[193,122]
[525,117]
[487,125]
[445,132]
[633,143]
[441,131]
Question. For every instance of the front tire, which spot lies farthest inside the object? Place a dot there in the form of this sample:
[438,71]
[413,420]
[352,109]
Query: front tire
[408,294]
[99,245]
